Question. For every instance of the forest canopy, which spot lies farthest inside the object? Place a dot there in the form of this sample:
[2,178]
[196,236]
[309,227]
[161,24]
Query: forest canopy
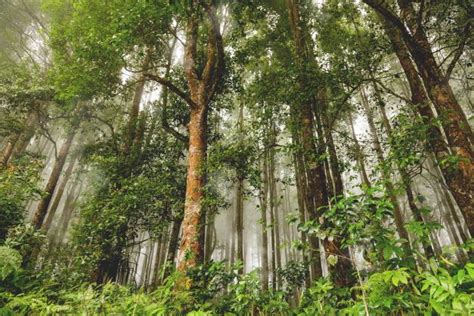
[214,157]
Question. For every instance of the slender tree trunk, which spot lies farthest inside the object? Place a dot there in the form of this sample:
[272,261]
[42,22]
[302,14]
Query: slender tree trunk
[240,198]
[301,193]
[239,195]
[59,193]
[398,215]
[210,237]
[42,208]
[232,245]
[273,242]
[68,211]
[157,278]
[8,150]
[174,240]
[333,159]
[135,106]
[359,155]
[263,209]
[406,180]
[274,206]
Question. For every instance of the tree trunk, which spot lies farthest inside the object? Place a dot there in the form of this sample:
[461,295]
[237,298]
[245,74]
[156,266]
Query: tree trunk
[398,215]
[8,150]
[301,193]
[202,88]
[174,240]
[42,208]
[210,237]
[303,117]
[359,155]
[239,212]
[134,111]
[406,180]
[66,216]
[190,248]
[263,209]
[25,137]
[338,186]
[59,193]
[454,122]
[274,223]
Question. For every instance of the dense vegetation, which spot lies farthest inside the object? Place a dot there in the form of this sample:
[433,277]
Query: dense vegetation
[205,157]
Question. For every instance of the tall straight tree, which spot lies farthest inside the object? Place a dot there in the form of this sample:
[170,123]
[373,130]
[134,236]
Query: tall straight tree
[316,176]
[202,81]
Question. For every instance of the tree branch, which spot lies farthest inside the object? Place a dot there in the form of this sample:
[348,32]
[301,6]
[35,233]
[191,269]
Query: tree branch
[459,50]
[391,18]
[172,87]
[172,131]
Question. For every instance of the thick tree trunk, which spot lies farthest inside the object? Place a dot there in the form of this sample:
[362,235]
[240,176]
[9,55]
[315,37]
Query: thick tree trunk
[317,179]
[25,137]
[303,117]
[190,247]
[420,100]
[42,208]
[202,88]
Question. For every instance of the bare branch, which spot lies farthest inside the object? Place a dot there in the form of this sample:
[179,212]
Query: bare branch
[459,50]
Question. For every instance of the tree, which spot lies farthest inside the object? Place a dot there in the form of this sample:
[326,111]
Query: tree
[453,119]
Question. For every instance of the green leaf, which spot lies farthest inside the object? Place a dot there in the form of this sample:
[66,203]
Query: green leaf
[437,307]
[387,252]
[332,260]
